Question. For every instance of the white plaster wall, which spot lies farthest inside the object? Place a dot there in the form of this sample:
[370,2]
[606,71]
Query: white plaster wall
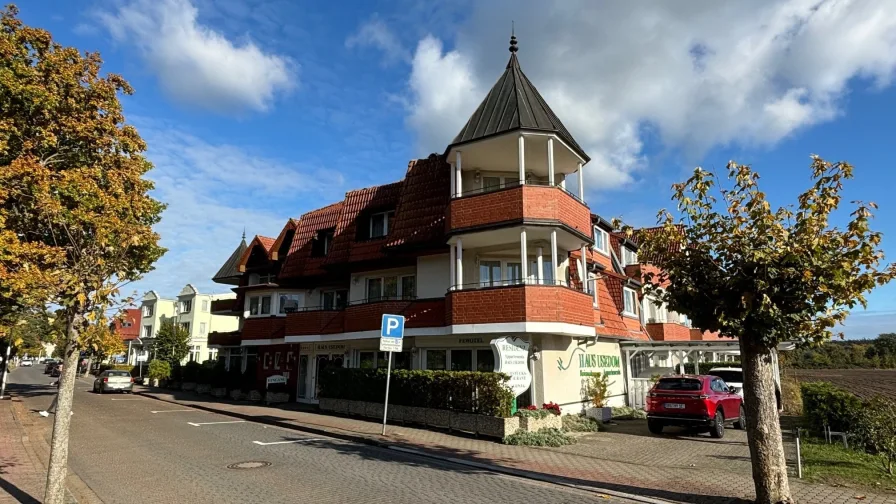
[566,387]
[432,276]
[358,289]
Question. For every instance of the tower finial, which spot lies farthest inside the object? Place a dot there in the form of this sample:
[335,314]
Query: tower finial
[513,47]
[244,233]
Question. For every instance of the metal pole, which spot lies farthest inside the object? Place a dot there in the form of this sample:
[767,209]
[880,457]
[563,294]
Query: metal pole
[5,371]
[799,461]
[386,402]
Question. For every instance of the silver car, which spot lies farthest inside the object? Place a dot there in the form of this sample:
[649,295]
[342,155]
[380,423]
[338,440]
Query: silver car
[113,381]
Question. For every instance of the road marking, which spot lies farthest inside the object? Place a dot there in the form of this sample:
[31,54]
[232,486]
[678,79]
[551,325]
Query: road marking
[288,442]
[172,410]
[194,424]
[128,399]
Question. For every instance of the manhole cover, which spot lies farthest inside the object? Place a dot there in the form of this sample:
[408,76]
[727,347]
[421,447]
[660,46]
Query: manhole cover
[255,464]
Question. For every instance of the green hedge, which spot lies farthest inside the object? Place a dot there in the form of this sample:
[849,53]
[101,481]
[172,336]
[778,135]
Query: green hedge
[826,404]
[706,366]
[466,391]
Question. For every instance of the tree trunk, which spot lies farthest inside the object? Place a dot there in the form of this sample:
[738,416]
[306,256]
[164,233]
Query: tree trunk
[56,472]
[763,425]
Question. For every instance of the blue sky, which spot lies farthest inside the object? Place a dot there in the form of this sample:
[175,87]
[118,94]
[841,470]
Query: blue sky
[257,111]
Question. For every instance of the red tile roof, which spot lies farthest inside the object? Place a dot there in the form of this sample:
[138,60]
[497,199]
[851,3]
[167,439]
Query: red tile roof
[346,246]
[259,241]
[291,225]
[299,261]
[131,317]
[420,215]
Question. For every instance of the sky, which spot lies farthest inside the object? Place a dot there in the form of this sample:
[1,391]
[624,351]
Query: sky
[258,111]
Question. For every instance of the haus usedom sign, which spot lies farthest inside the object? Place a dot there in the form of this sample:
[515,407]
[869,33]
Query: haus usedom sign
[512,359]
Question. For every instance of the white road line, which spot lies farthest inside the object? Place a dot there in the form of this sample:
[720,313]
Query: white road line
[129,399]
[195,424]
[288,442]
[173,410]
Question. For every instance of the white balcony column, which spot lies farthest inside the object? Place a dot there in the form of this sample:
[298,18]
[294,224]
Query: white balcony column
[550,161]
[584,273]
[524,256]
[522,159]
[554,256]
[453,191]
[459,268]
[458,178]
[452,280]
[581,184]
[563,181]
[539,263]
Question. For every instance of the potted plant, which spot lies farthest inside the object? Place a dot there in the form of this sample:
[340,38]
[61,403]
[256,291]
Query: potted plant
[597,390]
[158,370]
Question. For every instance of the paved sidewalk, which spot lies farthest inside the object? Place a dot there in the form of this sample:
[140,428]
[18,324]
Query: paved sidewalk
[650,479]
[22,476]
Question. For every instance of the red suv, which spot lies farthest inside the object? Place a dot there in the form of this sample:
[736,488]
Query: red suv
[694,401]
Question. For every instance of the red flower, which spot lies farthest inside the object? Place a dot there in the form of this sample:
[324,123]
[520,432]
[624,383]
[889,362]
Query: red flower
[531,407]
[553,407]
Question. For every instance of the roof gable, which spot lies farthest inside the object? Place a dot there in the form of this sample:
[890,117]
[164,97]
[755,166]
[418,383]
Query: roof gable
[299,262]
[420,214]
[358,204]
[229,272]
[259,243]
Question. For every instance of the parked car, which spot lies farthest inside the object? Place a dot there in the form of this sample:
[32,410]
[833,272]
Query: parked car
[26,363]
[112,380]
[56,370]
[51,363]
[698,401]
[734,377]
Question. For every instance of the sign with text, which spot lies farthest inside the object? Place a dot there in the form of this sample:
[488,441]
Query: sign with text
[276,379]
[512,359]
[142,356]
[391,333]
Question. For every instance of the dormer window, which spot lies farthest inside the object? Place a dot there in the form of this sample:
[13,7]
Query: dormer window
[147,310]
[323,243]
[601,241]
[379,223]
[629,256]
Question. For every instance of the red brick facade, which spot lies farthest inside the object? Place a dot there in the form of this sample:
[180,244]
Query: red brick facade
[264,328]
[520,303]
[668,332]
[513,205]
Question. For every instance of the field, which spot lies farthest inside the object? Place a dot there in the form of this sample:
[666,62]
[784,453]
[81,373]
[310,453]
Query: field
[862,382]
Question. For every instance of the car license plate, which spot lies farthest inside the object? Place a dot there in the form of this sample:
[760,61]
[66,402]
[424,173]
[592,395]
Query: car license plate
[674,405]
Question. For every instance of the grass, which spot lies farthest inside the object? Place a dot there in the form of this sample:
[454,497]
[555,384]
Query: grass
[833,464]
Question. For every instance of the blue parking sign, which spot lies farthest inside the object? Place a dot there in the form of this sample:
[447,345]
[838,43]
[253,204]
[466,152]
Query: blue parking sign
[393,326]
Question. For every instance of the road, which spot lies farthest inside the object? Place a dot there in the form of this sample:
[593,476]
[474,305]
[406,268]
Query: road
[131,449]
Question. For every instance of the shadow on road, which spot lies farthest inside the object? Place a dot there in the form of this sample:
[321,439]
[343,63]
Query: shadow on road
[31,390]
[17,493]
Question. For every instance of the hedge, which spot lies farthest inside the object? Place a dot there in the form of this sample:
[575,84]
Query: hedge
[826,404]
[464,391]
[706,366]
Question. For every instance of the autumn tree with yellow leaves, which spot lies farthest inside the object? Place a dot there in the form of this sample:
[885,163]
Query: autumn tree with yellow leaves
[75,215]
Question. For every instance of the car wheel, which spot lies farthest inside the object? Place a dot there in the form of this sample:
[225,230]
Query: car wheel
[741,422]
[718,428]
[654,427]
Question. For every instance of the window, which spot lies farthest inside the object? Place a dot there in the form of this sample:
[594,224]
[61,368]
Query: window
[333,300]
[147,310]
[260,305]
[489,273]
[379,224]
[147,331]
[392,287]
[276,360]
[409,287]
[126,324]
[436,359]
[491,183]
[485,360]
[186,326]
[461,360]
[601,240]
[202,328]
[689,384]
[367,360]
[289,302]
[205,305]
[374,289]
[266,278]
[655,312]
[592,288]
[513,273]
[323,243]
[212,354]
[630,300]
[629,256]
[186,306]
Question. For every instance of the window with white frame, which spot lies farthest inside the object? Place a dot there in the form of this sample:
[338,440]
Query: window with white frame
[186,306]
[289,302]
[655,311]
[266,278]
[333,300]
[601,241]
[489,273]
[185,326]
[392,287]
[205,305]
[629,256]
[459,359]
[592,286]
[202,328]
[630,302]
[379,223]
[260,305]
[147,331]
[147,310]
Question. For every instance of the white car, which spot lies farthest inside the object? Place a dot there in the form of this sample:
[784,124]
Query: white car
[734,378]
[27,363]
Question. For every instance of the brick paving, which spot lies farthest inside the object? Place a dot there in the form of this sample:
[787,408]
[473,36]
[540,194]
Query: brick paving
[626,459]
[22,476]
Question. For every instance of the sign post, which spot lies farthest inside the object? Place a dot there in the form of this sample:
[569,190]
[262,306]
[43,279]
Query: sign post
[141,358]
[391,334]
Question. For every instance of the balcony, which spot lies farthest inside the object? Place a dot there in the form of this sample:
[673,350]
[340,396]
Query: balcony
[520,303]
[224,307]
[316,320]
[518,204]
[224,339]
[263,328]
[666,331]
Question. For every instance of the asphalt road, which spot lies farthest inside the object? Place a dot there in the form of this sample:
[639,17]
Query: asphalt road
[130,449]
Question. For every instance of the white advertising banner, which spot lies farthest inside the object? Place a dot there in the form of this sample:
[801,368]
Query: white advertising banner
[512,359]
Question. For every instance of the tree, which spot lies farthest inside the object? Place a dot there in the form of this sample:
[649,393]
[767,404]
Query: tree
[101,341]
[75,215]
[172,342]
[735,266]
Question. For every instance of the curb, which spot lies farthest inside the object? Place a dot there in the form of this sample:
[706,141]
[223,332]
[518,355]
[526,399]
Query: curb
[519,473]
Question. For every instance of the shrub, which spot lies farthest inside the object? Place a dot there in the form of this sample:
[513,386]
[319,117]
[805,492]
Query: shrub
[206,374]
[876,427]
[626,413]
[597,389]
[826,404]
[791,398]
[534,413]
[466,391]
[159,370]
[190,372]
[544,437]
[552,407]
[580,423]
[706,366]
[234,378]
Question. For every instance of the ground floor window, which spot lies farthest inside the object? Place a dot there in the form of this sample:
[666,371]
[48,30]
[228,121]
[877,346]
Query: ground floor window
[250,363]
[460,359]
[369,359]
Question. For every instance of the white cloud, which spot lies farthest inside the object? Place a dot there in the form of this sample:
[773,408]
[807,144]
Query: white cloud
[697,74]
[214,192]
[194,63]
[375,33]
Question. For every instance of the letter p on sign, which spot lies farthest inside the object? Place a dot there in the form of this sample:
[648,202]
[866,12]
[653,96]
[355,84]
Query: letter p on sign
[393,326]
